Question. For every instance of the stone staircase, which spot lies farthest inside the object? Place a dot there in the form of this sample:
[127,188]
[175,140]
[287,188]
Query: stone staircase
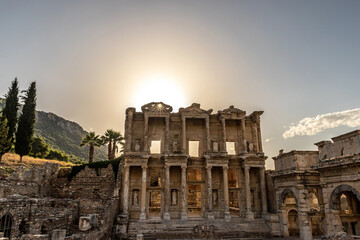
[236,228]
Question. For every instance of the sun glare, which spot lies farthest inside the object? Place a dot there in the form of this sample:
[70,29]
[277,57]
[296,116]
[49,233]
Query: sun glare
[159,89]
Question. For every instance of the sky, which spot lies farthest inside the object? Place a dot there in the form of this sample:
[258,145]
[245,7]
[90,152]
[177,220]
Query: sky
[298,61]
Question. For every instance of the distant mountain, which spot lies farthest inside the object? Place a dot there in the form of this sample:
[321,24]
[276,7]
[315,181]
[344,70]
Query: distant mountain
[64,135]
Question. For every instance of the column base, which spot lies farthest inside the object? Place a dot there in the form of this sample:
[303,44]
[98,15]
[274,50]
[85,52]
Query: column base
[210,216]
[227,216]
[142,216]
[166,216]
[184,216]
[249,215]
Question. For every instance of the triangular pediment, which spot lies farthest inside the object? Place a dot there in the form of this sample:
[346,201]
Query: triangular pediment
[232,111]
[195,109]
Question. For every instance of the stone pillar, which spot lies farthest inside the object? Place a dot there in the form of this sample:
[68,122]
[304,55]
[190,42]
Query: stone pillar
[259,137]
[243,135]
[207,124]
[184,208]
[249,213]
[129,131]
[255,137]
[166,144]
[143,193]
[167,193]
[226,193]
[146,140]
[305,226]
[183,135]
[263,190]
[210,214]
[223,125]
[126,189]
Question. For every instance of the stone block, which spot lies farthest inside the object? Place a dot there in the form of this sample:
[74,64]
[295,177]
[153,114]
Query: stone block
[58,234]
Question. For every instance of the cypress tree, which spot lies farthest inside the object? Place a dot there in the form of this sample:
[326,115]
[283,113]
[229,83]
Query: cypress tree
[25,131]
[4,141]
[10,111]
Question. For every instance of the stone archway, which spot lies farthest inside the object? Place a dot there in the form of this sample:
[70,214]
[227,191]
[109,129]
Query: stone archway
[345,202]
[6,222]
[293,222]
[289,204]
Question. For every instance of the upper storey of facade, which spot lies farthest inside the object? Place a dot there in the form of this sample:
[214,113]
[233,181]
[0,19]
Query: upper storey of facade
[193,131]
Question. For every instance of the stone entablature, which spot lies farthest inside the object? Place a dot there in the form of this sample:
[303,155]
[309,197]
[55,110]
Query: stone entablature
[296,160]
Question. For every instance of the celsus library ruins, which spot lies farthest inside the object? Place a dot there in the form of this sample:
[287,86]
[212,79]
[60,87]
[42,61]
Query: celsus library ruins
[191,174]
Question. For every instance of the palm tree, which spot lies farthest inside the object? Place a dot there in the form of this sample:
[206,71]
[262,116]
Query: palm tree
[107,138]
[117,139]
[93,141]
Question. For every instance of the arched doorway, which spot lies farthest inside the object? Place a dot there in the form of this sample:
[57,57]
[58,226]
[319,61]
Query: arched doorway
[293,223]
[6,222]
[346,200]
[289,206]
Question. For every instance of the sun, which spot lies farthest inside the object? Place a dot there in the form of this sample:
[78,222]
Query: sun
[159,88]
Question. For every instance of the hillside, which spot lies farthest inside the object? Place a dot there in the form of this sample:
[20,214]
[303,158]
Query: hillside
[64,135]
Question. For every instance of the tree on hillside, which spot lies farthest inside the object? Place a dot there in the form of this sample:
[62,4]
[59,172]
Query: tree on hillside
[25,131]
[93,141]
[118,139]
[39,148]
[4,141]
[10,110]
[107,138]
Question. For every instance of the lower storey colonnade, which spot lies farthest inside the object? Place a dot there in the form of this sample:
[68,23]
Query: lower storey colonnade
[177,190]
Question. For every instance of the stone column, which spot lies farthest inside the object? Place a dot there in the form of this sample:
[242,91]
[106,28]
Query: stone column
[223,125]
[184,207]
[143,194]
[129,131]
[249,213]
[255,137]
[207,124]
[183,135]
[146,140]
[210,213]
[166,144]
[226,193]
[305,226]
[126,189]
[167,193]
[243,135]
[259,138]
[263,190]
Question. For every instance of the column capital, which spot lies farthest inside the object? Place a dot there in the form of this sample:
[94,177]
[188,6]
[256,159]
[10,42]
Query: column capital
[208,167]
[167,166]
[183,167]
[126,166]
[225,168]
[247,167]
[144,166]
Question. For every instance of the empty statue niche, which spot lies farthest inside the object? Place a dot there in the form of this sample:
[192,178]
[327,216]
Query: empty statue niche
[217,186]
[195,132]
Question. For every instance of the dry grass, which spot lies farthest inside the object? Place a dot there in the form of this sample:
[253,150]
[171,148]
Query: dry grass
[10,159]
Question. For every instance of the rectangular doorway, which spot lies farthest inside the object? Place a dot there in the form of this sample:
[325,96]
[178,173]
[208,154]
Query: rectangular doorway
[194,200]
[155,204]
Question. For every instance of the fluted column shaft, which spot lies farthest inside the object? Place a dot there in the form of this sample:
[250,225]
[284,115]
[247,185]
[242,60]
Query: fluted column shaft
[146,140]
[249,213]
[207,124]
[167,193]
[184,207]
[209,191]
[143,193]
[129,131]
[243,135]
[223,125]
[183,135]
[226,193]
[126,189]
[263,190]
[255,137]
[167,142]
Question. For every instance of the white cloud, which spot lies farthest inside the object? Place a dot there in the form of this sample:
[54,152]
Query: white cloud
[312,125]
[268,139]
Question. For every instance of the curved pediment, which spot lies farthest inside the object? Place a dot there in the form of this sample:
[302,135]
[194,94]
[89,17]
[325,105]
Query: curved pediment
[195,109]
[157,107]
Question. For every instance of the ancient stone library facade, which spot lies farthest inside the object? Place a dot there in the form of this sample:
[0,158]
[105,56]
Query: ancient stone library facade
[192,174]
